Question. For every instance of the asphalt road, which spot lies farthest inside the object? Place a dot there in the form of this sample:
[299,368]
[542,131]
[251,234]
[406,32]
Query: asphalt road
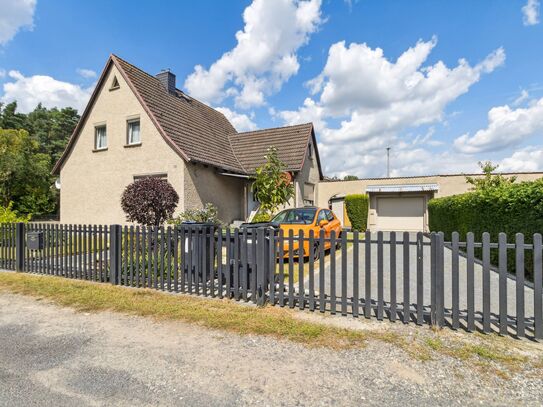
[478,277]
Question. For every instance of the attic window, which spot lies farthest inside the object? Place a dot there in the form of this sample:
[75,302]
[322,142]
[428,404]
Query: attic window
[310,150]
[114,84]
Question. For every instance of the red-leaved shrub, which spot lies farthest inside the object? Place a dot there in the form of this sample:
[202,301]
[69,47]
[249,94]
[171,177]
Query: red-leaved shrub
[149,201]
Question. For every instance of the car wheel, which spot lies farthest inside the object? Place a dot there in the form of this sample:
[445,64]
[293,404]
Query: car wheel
[338,241]
[316,251]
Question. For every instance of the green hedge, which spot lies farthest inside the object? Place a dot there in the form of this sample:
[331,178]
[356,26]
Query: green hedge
[357,211]
[517,208]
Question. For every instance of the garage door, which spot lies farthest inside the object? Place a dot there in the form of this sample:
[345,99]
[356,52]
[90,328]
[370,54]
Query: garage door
[400,214]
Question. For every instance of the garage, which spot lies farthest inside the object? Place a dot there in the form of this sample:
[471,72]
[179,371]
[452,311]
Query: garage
[399,207]
[402,214]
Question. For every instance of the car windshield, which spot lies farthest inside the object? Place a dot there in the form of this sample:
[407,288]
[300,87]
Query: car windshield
[303,216]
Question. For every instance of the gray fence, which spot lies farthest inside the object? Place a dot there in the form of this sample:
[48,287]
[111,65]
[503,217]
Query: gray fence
[408,277]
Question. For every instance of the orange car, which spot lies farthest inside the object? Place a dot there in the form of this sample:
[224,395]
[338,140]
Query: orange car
[306,219]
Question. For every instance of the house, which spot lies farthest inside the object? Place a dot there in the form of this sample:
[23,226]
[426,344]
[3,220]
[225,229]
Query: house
[138,125]
[399,203]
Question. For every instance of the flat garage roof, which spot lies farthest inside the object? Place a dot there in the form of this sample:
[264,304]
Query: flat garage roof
[403,188]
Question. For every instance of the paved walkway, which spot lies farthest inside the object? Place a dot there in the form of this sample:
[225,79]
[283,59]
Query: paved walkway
[478,275]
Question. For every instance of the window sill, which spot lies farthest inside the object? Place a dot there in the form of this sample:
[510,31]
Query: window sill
[132,145]
[97,150]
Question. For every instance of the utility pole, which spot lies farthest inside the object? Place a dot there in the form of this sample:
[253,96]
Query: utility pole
[388,162]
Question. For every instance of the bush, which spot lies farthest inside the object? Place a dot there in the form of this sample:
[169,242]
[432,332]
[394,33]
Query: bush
[357,211]
[8,215]
[208,214]
[513,208]
[261,216]
[149,201]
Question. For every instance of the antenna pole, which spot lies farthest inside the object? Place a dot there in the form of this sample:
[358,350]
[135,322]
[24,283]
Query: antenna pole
[388,162]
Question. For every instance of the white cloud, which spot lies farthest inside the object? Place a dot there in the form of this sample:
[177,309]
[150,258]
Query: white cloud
[86,73]
[524,96]
[527,159]
[240,121]
[14,16]
[264,56]
[374,101]
[530,12]
[506,127]
[31,90]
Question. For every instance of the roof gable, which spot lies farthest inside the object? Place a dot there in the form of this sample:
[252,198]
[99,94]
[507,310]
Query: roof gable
[199,133]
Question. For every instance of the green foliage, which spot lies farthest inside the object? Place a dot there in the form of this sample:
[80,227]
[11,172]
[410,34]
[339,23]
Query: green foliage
[489,179]
[30,144]
[208,214]
[357,211]
[509,208]
[350,178]
[24,174]
[8,215]
[270,186]
[261,217]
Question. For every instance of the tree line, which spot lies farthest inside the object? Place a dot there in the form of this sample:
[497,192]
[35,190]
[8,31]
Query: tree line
[30,145]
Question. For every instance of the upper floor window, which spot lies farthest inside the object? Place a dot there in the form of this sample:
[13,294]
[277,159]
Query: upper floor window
[310,150]
[133,132]
[100,137]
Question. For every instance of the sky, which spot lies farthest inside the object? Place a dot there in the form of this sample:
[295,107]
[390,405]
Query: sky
[445,84]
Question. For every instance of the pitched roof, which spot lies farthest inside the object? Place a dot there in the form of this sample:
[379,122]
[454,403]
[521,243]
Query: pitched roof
[291,143]
[200,133]
[198,130]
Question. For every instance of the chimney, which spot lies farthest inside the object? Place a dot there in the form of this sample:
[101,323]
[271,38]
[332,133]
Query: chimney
[167,79]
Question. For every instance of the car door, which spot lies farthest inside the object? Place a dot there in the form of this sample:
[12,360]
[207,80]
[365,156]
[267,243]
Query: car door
[334,222]
[320,217]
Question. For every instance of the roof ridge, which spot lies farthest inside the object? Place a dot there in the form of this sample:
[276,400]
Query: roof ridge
[276,128]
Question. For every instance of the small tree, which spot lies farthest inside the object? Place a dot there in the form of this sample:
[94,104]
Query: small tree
[350,178]
[271,187]
[149,201]
[489,179]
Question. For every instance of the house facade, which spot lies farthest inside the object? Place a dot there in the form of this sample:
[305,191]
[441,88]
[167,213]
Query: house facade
[399,203]
[138,125]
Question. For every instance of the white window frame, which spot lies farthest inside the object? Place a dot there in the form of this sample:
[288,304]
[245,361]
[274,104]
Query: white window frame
[98,146]
[129,123]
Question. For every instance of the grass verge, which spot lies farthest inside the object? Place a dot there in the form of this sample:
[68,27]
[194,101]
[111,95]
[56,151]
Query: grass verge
[215,314]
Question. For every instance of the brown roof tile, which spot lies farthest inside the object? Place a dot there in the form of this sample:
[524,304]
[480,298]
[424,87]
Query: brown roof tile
[291,143]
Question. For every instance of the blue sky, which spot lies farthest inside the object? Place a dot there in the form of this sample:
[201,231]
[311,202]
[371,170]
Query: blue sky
[445,84]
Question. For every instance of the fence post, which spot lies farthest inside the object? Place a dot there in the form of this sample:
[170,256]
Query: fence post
[115,251]
[261,265]
[20,247]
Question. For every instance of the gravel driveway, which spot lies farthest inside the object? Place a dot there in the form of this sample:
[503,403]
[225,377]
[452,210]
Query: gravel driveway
[54,356]
[478,275]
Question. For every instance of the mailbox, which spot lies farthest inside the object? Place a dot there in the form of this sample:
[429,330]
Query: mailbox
[34,240]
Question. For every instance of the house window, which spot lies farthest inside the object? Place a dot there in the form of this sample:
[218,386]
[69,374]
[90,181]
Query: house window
[310,150]
[100,138]
[114,84]
[133,132]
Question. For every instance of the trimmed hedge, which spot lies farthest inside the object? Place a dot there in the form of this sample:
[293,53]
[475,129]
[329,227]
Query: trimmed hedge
[517,208]
[357,211]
